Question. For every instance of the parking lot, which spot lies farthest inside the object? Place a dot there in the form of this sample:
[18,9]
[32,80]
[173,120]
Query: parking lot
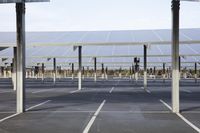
[107,106]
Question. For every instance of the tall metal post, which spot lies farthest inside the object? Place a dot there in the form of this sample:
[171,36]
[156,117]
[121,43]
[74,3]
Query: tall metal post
[195,72]
[154,72]
[21,56]
[136,63]
[42,72]
[145,66]
[163,72]
[54,70]
[102,71]
[33,72]
[14,68]
[95,69]
[130,72]
[179,67]
[80,67]
[175,55]
[4,72]
[72,71]
[88,71]
[106,73]
[83,72]
[120,72]
[133,72]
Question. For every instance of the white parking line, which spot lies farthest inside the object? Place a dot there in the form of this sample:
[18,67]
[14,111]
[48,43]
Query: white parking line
[148,91]
[74,91]
[6,112]
[191,112]
[8,117]
[34,92]
[187,91]
[37,105]
[11,116]
[87,128]
[182,117]
[189,123]
[6,92]
[112,89]
[165,104]
[93,111]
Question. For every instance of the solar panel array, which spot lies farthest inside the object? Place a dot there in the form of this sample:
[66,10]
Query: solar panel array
[111,55]
[20,1]
[137,37]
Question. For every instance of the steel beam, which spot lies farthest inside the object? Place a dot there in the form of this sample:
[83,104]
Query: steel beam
[21,56]
[175,55]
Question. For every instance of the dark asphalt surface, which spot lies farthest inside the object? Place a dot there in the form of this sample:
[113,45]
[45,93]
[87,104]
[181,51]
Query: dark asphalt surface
[127,109]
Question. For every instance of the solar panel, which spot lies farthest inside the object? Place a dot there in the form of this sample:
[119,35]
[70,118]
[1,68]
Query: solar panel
[20,1]
[191,0]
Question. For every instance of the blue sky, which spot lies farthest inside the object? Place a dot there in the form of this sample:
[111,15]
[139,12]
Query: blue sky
[77,15]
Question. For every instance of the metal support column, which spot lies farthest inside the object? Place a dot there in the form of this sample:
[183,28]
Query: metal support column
[88,71]
[4,72]
[195,72]
[33,72]
[136,63]
[175,55]
[83,74]
[130,72]
[72,71]
[154,73]
[120,72]
[80,67]
[54,70]
[42,72]
[179,67]
[133,72]
[21,56]
[102,71]
[145,66]
[106,72]
[163,72]
[95,69]
[14,68]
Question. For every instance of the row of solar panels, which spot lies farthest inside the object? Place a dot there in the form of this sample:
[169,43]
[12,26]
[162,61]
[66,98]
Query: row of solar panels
[20,1]
[113,56]
[130,37]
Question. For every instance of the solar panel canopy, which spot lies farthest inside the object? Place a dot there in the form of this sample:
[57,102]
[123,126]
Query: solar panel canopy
[191,0]
[116,48]
[20,1]
[120,37]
